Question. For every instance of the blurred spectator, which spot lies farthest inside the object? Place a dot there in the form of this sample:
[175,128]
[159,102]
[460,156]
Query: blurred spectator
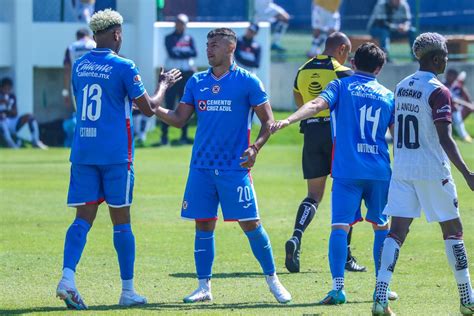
[84,9]
[181,53]
[267,11]
[10,122]
[391,19]
[325,19]
[247,52]
[455,82]
[83,44]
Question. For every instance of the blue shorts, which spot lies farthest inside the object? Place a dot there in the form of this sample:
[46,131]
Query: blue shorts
[347,195]
[207,188]
[93,184]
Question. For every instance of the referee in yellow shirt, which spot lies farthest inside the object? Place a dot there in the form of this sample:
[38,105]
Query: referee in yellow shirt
[311,79]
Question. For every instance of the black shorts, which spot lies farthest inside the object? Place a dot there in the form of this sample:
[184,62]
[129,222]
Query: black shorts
[317,149]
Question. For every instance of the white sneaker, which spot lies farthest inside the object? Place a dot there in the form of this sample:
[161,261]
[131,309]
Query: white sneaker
[70,295]
[201,294]
[130,298]
[392,296]
[39,144]
[277,289]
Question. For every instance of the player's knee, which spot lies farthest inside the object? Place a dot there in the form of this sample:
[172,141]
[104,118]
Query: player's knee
[378,227]
[346,228]
[398,235]
[249,225]
[207,226]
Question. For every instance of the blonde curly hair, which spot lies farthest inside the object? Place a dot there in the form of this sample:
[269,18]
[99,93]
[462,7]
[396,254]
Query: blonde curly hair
[102,20]
[429,42]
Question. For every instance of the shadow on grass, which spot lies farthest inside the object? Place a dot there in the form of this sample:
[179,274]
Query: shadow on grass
[187,275]
[173,306]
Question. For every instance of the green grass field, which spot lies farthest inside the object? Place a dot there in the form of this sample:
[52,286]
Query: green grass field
[34,219]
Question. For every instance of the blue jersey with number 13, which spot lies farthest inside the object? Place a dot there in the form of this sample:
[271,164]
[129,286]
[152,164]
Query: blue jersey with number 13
[104,86]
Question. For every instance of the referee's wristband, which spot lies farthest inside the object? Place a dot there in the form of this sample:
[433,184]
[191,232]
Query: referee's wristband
[65,92]
[254,147]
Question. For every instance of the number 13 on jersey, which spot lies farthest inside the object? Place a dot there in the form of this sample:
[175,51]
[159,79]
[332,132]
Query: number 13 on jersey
[91,93]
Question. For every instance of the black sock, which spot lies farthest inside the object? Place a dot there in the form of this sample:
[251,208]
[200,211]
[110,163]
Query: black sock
[306,212]
[349,236]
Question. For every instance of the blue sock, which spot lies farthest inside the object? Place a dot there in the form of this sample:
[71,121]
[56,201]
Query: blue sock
[124,243]
[204,251]
[262,249]
[379,238]
[75,242]
[337,252]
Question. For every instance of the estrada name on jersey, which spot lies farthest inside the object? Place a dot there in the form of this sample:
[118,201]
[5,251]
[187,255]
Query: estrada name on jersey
[104,86]
[360,150]
[224,109]
[420,100]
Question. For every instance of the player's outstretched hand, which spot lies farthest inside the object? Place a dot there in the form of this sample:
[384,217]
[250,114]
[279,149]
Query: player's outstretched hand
[470,180]
[249,156]
[278,125]
[169,78]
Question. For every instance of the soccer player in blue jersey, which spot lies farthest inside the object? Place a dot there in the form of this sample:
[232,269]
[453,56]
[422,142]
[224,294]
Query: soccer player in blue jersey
[224,98]
[104,86]
[361,111]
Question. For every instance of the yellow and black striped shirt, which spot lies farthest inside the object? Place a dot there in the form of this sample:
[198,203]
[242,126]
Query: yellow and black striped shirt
[313,77]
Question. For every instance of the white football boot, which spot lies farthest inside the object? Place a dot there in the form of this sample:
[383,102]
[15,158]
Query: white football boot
[277,289]
[201,294]
[130,298]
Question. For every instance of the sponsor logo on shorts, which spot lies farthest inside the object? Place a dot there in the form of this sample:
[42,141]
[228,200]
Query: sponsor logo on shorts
[248,205]
[185,204]
[461,257]
[455,202]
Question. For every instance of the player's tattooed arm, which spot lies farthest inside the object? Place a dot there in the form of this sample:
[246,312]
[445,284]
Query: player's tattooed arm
[444,130]
[265,115]
[309,109]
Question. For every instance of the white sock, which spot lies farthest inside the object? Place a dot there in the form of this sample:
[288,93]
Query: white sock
[457,258]
[388,260]
[205,284]
[127,285]
[69,277]
[34,132]
[280,30]
[337,284]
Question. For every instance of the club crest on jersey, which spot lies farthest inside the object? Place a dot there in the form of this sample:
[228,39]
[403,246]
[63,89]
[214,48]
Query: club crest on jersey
[202,105]
[216,89]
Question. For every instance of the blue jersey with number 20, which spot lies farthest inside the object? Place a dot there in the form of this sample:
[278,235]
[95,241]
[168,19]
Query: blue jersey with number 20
[361,111]
[104,86]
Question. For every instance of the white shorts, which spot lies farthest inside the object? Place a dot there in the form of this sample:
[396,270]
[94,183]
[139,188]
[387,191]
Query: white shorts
[437,198]
[325,20]
[267,12]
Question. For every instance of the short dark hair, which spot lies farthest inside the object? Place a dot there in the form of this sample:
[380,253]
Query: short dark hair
[225,32]
[369,57]
[81,33]
[6,82]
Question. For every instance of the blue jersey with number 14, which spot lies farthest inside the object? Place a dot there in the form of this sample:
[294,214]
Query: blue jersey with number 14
[104,86]
[361,111]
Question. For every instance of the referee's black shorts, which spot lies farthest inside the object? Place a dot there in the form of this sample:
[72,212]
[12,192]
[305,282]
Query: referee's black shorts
[317,148]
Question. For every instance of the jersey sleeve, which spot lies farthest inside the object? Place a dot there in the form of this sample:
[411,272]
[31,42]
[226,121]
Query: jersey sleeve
[257,93]
[331,94]
[132,81]
[295,84]
[188,94]
[440,103]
